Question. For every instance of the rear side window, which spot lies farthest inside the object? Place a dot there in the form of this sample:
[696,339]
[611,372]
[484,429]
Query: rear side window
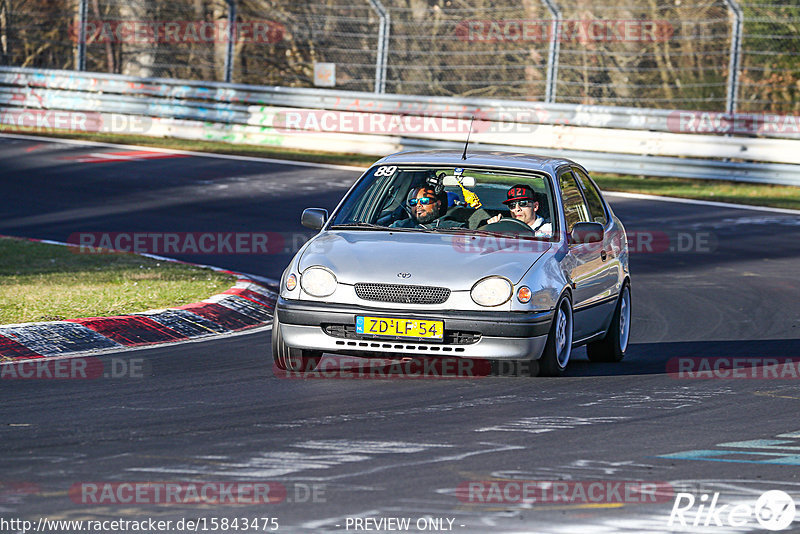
[596,208]
[575,209]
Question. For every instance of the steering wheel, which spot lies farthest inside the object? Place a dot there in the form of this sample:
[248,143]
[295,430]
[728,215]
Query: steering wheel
[507,225]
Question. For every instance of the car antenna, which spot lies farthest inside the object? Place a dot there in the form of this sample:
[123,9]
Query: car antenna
[464,155]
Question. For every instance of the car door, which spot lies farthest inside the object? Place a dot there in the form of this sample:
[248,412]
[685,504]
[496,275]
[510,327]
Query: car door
[612,274]
[583,264]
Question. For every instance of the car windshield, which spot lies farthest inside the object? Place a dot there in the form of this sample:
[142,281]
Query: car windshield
[450,199]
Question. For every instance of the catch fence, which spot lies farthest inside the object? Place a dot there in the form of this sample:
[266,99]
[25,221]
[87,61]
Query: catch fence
[713,55]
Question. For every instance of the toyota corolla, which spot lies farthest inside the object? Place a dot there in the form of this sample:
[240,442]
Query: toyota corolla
[494,255]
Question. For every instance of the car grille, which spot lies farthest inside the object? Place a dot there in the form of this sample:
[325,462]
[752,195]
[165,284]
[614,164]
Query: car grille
[451,337]
[402,293]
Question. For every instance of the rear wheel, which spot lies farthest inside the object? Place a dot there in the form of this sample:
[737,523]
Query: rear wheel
[612,347]
[290,359]
[558,348]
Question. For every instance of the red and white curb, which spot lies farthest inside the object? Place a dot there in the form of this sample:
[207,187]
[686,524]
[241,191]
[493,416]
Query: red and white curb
[248,304]
[112,157]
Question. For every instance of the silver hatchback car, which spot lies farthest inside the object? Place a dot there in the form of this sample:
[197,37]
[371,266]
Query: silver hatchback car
[497,256]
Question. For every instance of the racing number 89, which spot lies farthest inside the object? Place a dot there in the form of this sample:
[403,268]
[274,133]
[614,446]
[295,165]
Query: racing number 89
[386,171]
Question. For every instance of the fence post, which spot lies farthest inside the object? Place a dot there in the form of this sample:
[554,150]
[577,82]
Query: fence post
[383,45]
[81,53]
[231,39]
[553,54]
[736,56]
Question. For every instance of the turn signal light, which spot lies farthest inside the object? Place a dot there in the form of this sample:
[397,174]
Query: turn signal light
[524,295]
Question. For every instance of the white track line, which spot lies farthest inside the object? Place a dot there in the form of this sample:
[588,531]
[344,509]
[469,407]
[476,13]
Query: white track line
[80,142]
[677,200]
[638,196]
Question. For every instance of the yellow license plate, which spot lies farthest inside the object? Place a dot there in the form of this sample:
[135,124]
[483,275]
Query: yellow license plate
[398,327]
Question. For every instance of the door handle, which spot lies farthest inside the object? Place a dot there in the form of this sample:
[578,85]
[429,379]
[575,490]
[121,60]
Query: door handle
[603,255]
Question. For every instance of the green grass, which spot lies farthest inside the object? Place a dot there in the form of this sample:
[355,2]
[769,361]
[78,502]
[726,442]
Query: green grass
[40,282]
[778,196]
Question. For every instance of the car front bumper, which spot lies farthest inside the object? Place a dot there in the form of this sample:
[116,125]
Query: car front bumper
[490,334]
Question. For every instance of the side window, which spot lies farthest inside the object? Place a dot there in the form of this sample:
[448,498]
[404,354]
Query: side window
[596,209]
[575,209]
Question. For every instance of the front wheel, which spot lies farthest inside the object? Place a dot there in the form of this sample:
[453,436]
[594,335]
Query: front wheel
[612,347]
[558,348]
[287,358]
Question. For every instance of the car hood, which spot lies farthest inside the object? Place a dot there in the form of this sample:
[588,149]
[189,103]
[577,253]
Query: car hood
[455,261]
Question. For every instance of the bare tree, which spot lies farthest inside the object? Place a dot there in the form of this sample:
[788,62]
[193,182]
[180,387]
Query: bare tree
[138,58]
[7,37]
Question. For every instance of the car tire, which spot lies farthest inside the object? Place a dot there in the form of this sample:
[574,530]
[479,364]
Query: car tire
[613,346]
[558,348]
[290,359]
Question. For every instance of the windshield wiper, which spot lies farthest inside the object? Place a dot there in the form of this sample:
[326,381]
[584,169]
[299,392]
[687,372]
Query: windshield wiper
[370,226]
[451,229]
[491,233]
[455,230]
[358,225]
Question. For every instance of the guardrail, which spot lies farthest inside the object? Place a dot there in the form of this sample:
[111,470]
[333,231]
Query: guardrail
[604,139]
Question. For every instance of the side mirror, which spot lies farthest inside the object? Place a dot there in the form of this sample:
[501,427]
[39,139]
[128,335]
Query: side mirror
[314,218]
[586,232]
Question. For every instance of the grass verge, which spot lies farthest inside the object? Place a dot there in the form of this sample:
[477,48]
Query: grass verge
[777,196]
[40,282]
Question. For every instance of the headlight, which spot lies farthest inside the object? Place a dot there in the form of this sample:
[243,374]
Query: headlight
[318,282]
[491,291]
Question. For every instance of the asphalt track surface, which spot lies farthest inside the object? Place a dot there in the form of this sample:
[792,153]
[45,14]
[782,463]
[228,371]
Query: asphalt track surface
[214,411]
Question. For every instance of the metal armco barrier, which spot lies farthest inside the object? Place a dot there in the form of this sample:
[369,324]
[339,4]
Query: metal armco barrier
[604,139]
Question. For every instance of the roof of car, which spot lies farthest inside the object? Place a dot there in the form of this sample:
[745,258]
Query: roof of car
[509,160]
